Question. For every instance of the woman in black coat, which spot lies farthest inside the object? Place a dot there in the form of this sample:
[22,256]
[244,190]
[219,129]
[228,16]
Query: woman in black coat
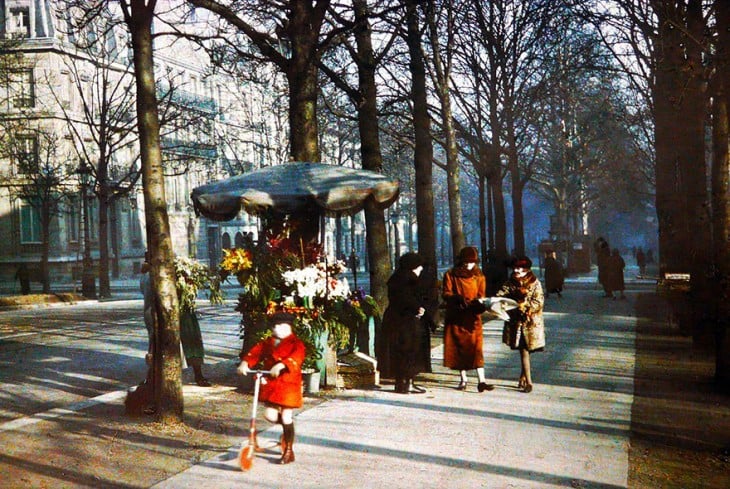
[399,353]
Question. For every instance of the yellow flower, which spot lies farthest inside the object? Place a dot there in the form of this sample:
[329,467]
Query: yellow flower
[236,260]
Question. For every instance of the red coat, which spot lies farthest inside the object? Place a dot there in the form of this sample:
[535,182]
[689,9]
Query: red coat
[286,389]
[463,327]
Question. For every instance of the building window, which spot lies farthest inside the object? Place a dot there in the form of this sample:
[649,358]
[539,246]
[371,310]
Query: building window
[133,225]
[26,154]
[18,89]
[30,224]
[73,218]
[18,25]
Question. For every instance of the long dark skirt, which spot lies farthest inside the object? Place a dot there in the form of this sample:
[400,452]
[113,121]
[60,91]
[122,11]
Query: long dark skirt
[190,336]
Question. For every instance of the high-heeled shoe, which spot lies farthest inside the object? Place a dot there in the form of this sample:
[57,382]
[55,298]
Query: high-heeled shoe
[483,386]
[522,383]
[527,388]
[462,385]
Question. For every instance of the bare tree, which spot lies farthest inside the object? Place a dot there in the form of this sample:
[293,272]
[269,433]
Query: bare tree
[360,88]
[290,36]
[663,46]
[442,47]
[104,115]
[38,178]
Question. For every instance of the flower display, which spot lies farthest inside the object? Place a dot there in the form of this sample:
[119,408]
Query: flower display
[302,281]
[317,280]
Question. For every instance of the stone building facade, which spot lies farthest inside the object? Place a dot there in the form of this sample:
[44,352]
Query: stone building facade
[213,126]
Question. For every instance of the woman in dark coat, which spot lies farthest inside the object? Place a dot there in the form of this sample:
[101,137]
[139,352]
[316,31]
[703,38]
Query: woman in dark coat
[462,286]
[525,331]
[615,274]
[554,276]
[400,352]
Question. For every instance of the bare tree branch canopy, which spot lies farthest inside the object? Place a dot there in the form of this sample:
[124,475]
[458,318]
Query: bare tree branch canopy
[292,36]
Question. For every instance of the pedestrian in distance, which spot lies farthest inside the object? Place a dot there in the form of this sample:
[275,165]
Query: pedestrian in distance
[23,276]
[401,354]
[282,355]
[603,257]
[641,262]
[554,274]
[525,330]
[615,274]
[462,286]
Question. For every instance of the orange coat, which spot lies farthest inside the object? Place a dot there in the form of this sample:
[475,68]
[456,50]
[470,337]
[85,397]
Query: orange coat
[286,389]
[463,326]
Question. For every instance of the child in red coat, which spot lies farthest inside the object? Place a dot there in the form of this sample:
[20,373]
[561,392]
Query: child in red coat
[282,355]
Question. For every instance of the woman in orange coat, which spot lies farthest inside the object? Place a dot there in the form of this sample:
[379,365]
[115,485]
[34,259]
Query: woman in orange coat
[462,286]
[282,355]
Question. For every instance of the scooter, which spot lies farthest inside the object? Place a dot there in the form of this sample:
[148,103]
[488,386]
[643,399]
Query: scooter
[248,448]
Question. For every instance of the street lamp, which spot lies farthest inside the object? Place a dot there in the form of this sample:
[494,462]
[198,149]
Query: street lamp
[88,281]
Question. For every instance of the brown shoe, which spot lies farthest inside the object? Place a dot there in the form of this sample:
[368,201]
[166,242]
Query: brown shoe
[288,456]
[483,386]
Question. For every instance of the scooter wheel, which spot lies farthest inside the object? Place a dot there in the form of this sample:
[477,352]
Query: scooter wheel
[246,457]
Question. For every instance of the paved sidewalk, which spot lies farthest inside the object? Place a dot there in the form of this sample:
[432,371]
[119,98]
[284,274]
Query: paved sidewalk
[571,431]
[620,400]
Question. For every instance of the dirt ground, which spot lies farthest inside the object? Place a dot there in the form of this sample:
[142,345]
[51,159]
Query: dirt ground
[678,425]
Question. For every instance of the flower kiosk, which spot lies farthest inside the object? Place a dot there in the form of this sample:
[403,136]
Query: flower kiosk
[287,268]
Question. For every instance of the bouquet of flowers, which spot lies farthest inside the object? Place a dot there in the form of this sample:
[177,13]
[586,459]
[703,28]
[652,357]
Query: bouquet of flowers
[191,277]
[235,262]
[316,281]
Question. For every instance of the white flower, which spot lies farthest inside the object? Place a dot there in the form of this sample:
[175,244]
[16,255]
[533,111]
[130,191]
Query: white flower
[313,281]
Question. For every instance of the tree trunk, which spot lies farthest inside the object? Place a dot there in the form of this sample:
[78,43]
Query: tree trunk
[168,385]
[443,76]
[668,198]
[518,219]
[104,286]
[45,215]
[494,180]
[483,230]
[423,153]
[114,234]
[490,216]
[518,215]
[372,158]
[681,193]
[302,75]
[303,113]
[721,196]
[693,113]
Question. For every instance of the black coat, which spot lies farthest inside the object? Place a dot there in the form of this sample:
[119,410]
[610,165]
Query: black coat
[402,348]
[553,275]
